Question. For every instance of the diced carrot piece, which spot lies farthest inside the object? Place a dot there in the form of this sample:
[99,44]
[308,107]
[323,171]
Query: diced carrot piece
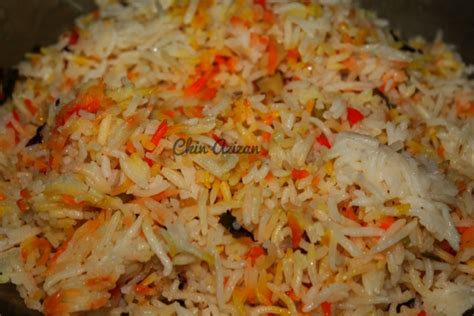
[44,248]
[349,63]
[208,94]
[98,303]
[440,151]
[272,57]
[297,174]
[236,21]
[466,108]
[89,101]
[144,290]
[264,152]
[170,113]
[53,304]
[58,253]
[467,238]
[232,64]
[296,230]
[266,136]
[461,185]
[197,111]
[165,194]
[461,230]
[99,280]
[130,148]
[196,86]
[291,294]
[221,60]
[293,53]
[254,253]
[387,222]
[70,200]
[268,17]
[349,213]
[268,119]
[269,176]
[315,182]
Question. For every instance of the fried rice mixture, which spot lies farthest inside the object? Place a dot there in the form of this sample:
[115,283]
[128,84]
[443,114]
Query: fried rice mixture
[338,177]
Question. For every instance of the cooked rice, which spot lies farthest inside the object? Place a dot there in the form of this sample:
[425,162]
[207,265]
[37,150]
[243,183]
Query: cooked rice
[358,201]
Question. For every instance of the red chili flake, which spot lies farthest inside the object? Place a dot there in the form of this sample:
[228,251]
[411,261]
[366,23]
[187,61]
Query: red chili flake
[218,140]
[262,3]
[354,116]
[15,132]
[447,247]
[22,205]
[160,133]
[115,292]
[322,140]
[73,37]
[148,161]
[30,106]
[15,115]
[326,307]
[25,194]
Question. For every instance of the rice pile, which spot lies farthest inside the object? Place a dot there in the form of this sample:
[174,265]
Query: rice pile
[357,201]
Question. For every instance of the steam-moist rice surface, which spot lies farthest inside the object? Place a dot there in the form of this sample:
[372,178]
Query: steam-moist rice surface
[358,202]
